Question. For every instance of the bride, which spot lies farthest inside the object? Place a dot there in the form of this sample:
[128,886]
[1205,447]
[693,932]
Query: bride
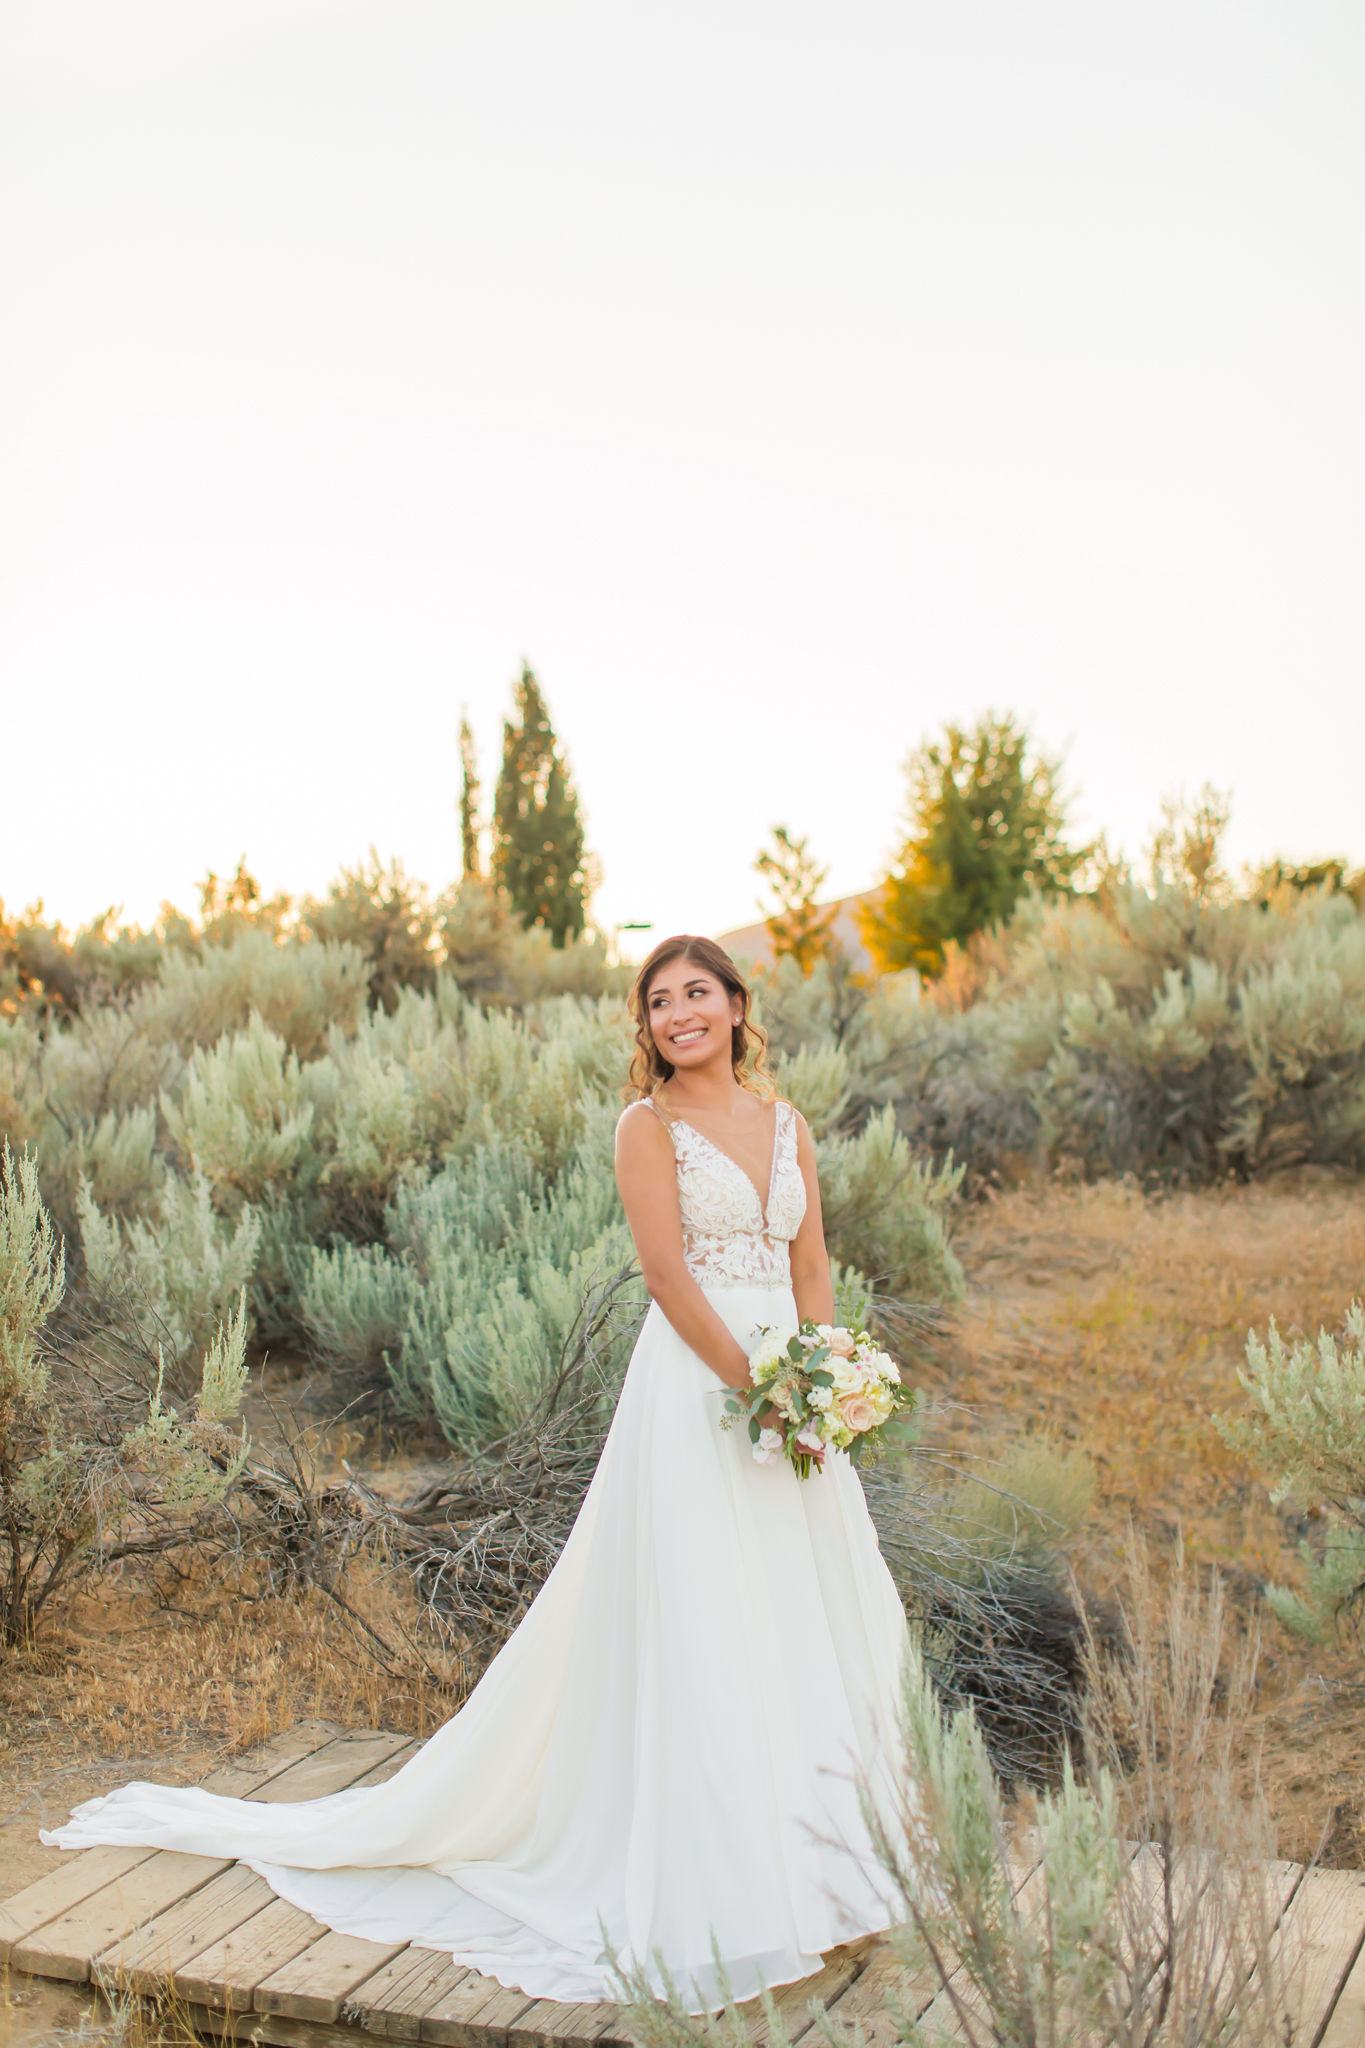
[667,1760]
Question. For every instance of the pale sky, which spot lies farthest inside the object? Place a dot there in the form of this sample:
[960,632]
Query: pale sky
[781,379]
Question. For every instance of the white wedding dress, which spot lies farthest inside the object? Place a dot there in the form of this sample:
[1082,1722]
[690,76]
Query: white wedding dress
[669,1751]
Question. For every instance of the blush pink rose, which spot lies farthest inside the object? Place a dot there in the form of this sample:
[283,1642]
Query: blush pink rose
[858,1413]
[841,1344]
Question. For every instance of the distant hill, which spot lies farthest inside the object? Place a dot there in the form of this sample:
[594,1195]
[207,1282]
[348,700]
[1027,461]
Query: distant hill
[751,941]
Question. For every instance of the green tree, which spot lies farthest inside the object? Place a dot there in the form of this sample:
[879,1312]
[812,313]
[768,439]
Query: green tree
[799,929]
[986,823]
[469,803]
[539,858]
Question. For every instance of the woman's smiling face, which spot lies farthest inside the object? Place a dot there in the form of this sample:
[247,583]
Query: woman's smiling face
[691,1014]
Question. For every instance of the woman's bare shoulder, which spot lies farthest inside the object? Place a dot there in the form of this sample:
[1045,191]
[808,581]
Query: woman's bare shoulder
[640,1129]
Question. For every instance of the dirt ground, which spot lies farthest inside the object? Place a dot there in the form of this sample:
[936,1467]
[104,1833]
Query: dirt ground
[1112,1320]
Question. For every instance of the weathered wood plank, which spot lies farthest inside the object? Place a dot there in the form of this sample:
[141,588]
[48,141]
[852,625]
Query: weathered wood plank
[501,2012]
[316,1983]
[864,2004]
[226,1975]
[471,2010]
[838,1971]
[276,2029]
[391,2003]
[380,1773]
[65,1946]
[454,1981]
[1321,1937]
[548,2023]
[245,1774]
[147,1956]
[885,1979]
[1346,2024]
[60,1889]
[338,1766]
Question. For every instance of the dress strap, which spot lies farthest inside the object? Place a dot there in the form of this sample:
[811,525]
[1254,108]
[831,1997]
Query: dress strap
[667,1122]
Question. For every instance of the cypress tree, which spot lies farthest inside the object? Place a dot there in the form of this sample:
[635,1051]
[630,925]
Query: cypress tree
[539,858]
[469,803]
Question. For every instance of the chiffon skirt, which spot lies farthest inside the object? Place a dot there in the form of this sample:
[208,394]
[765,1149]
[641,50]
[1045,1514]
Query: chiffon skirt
[668,1753]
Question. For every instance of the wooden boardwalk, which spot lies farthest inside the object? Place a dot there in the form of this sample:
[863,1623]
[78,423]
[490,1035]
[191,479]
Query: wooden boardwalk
[250,1968]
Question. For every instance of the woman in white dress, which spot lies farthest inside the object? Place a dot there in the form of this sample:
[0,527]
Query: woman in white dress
[665,1762]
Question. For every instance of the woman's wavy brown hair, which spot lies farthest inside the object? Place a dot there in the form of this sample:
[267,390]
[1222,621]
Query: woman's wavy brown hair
[649,1070]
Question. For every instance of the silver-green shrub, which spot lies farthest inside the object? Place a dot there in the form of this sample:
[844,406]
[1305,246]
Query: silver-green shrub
[887,1210]
[108,1061]
[177,1273]
[1304,1429]
[299,991]
[473,1306]
[73,1471]
[242,1117]
[1154,1034]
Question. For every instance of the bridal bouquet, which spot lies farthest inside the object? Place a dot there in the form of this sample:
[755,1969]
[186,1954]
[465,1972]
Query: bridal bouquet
[831,1387]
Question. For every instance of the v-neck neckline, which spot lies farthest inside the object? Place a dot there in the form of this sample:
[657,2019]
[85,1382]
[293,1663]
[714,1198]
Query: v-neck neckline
[763,1204]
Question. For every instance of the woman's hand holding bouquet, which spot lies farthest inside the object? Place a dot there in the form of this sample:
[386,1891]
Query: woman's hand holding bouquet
[824,1389]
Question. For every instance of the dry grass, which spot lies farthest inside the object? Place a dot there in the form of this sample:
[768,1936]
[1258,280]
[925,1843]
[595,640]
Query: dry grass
[126,1675]
[1117,1322]
[235,1672]
[41,2014]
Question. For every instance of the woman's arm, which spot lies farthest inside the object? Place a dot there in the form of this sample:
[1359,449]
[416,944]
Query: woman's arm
[647,1175]
[811,1283]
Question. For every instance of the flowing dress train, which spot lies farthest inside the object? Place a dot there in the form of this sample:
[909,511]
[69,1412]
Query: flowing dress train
[669,1750]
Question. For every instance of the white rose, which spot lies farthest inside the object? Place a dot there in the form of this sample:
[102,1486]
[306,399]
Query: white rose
[767,1355]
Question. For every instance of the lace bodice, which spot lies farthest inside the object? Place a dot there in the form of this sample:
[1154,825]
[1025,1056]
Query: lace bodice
[728,1241]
